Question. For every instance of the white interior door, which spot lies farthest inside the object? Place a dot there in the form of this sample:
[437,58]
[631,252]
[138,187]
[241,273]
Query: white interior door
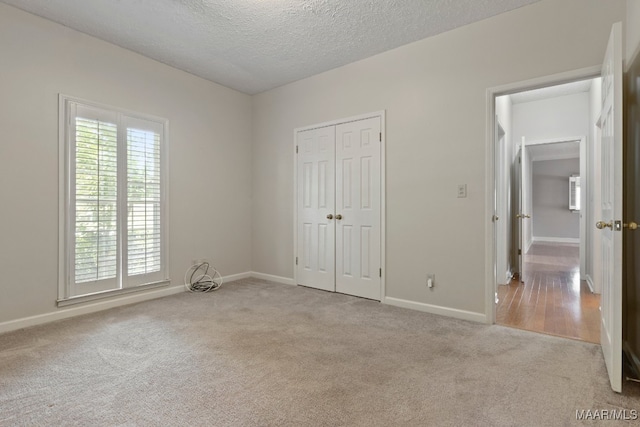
[315,256]
[610,223]
[358,256]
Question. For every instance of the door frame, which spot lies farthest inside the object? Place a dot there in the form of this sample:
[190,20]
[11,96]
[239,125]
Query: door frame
[383,221]
[490,183]
[582,141]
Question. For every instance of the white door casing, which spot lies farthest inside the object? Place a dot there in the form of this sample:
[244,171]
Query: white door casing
[358,146]
[521,216]
[490,181]
[610,222]
[315,208]
[500,208]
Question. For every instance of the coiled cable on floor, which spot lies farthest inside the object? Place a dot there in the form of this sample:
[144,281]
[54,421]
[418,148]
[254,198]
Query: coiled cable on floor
[202,277]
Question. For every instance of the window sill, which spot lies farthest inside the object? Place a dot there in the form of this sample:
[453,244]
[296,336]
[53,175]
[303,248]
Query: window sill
[107,294]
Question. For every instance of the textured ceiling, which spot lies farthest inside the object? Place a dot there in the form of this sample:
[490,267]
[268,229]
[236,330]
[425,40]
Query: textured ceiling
[256,45]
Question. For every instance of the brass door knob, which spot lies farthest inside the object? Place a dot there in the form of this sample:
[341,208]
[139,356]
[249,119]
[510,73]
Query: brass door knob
[518,216]
[330,216]
[527,216]
[631,226]
[600,225]
[338,217]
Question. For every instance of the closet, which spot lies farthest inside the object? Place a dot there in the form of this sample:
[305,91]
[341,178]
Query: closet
[339,207]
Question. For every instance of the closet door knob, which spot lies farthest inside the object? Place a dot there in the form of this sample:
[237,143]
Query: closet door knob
[338,217]
[330,216]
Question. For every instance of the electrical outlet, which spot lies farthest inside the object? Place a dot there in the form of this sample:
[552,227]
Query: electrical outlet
[462,190]
[431,280]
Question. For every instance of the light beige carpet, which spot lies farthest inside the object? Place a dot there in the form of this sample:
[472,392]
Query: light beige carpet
[263,354]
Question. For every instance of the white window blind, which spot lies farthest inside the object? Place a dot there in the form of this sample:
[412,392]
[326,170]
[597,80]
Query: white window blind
[96,227]
[114,228]
[574,193]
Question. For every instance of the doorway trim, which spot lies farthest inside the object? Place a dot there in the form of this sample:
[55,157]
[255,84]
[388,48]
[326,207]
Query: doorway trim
[383,191]
[490,184]
[582,140]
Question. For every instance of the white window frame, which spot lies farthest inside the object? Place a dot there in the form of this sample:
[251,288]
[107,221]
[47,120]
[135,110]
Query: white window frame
[68,292]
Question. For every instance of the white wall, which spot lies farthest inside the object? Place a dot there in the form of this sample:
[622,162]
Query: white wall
[503,192]
[632,29]
[551,217]
[434,92]
[210,153]
[527,203]
[552,118]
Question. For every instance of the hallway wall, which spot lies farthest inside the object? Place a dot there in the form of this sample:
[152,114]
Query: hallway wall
[551,217]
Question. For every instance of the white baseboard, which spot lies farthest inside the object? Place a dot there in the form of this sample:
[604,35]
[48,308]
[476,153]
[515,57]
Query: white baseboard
[506,278]
[272,278]
[436,309]
[509,275]
[77,310]
[239,276]
[590,283]
[557,239]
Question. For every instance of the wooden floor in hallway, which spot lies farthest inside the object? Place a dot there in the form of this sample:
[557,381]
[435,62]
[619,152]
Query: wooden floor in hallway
[552,300]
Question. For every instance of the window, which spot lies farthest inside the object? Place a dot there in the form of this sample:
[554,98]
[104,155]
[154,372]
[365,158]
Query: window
[113,227]
[574,193]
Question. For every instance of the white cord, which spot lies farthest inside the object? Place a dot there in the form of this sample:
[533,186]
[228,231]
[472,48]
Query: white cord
[198,279]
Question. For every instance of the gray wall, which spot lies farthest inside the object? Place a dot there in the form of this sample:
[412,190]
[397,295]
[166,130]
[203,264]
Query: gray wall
[551,215]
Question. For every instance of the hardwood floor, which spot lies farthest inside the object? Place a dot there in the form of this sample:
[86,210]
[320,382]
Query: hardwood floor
[552,300]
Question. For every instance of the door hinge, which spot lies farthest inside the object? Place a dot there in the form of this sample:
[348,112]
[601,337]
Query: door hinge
[380,272]
[296,260]
[519,251]
[296,149]
[380,136]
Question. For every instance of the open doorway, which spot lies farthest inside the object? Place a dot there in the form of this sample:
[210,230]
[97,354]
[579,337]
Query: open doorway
[544,192]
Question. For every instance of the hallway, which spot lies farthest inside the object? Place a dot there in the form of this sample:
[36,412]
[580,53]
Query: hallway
[552,300]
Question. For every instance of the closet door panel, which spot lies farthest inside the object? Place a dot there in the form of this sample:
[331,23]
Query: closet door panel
[316,207]
[358,251]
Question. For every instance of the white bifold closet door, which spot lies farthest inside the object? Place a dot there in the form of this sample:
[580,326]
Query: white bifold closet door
[339,208]
[316,208]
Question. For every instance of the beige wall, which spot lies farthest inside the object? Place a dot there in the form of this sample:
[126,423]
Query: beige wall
[434,92]
[632,29]
[210,153]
